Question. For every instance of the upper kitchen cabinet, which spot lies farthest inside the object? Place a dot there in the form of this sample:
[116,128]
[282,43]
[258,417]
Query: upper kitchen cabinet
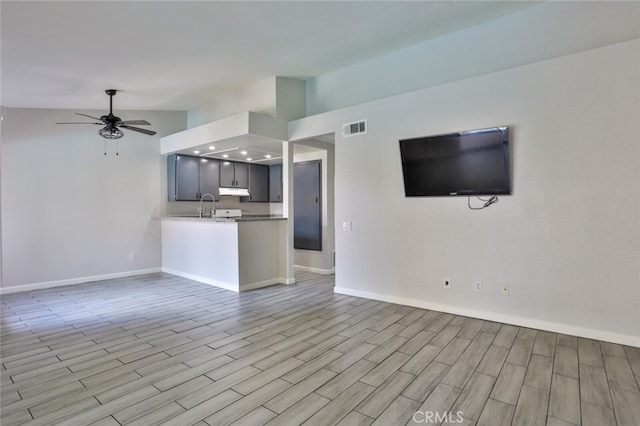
[234,175]
[275,183]
[258,184]
[209,177]
[189,177]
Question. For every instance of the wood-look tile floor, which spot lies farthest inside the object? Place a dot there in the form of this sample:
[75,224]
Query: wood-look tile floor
[159,349]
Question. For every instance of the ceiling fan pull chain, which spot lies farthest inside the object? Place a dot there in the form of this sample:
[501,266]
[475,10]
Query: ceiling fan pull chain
[117,147]
[105,146]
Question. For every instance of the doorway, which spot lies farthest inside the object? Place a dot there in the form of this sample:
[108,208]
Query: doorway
[307,205]
[318,257]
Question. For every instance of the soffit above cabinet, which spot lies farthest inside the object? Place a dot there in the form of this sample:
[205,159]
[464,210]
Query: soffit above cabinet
[247,136]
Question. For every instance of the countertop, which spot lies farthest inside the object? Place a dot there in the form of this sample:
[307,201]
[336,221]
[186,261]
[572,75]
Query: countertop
[244,218]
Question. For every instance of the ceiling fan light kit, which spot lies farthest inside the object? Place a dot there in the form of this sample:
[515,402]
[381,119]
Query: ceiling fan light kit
[112,123]
[110,133]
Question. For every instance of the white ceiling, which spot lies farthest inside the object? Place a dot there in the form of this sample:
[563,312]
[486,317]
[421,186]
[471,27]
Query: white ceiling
[255,149]
[177,55]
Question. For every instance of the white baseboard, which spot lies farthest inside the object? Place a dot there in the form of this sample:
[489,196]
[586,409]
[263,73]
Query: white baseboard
[203,280]
[260,284]
[622,339]
[74,281]
[315,270]
[227,286]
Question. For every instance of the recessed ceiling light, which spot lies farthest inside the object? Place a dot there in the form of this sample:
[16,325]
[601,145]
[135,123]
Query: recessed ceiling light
[212,148]
[267,156]
[196,152]
[243,152]
[249,159]
[225,155]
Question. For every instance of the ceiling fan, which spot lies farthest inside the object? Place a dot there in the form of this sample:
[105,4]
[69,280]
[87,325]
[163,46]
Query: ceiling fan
[112,123]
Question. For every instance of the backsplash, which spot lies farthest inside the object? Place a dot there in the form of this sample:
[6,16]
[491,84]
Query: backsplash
[226,202]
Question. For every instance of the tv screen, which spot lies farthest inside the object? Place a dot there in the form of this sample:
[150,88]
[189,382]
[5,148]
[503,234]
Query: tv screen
[473,162]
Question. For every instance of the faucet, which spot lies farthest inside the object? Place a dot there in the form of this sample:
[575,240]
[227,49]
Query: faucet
[213,207]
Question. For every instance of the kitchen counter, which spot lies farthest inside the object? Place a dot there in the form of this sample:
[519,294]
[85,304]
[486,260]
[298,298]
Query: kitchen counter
[237,253]
[244,218]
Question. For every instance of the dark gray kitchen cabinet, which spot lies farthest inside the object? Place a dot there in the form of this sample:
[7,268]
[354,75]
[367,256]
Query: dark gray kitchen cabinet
[210,177]
[258,184]
[234,175]
[189,177]
[275,183]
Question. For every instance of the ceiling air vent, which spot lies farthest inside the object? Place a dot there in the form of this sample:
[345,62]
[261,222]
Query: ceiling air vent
[355,128]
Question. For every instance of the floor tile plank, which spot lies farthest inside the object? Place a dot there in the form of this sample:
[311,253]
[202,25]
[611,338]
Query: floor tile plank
[341,406]
[564,402]
[532,407]
[385,394]
[496,413]
[401,408]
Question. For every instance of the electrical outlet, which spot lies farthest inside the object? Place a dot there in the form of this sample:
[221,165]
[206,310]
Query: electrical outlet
[477,286]
[132,257]
[346,226]
[446,282]
[505,289]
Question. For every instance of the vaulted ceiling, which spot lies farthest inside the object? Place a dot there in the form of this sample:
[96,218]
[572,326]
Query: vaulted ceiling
[177,55]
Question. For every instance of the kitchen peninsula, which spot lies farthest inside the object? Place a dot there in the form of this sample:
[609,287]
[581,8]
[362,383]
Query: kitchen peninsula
[237,254]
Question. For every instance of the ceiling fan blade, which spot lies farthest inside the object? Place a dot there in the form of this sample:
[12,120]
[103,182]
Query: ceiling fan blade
[136,129]
[135,122]
[85,115]
[78,122]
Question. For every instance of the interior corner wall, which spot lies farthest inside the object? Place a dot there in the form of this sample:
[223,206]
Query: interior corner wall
[70,213]
[2,114]
[259,97]
[290,98]
[543,31]
[567,241]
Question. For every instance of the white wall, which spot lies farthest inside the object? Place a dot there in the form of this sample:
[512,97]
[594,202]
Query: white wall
[544,31]
[291,101]
[279,97]
[68,211]
[259,97]
[2,113]
[567,241]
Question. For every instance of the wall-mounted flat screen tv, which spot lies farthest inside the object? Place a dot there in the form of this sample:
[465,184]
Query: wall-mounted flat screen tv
[473,162]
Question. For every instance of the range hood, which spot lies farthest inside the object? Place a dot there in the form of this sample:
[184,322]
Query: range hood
[240,192]
[244,129]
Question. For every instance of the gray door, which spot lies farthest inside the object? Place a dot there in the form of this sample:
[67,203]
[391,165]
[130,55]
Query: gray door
[307,205]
